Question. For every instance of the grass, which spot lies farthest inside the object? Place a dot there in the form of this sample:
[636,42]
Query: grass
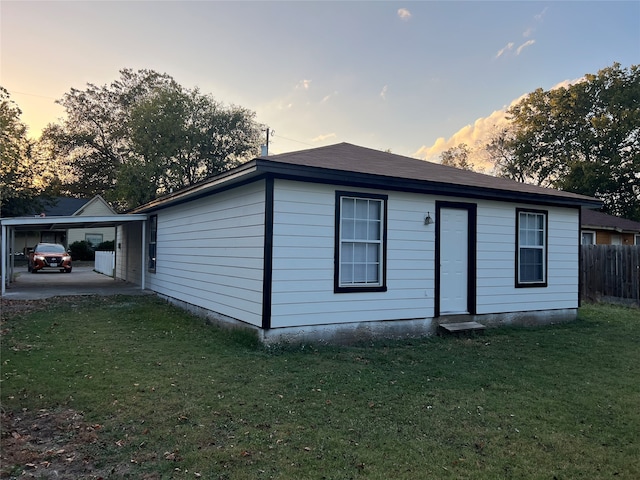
[176,398]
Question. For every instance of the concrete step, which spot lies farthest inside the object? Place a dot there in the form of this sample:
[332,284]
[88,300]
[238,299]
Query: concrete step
[461,328]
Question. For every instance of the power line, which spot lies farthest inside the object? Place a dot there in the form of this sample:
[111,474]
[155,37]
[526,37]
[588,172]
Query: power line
[291,140]
[30,94]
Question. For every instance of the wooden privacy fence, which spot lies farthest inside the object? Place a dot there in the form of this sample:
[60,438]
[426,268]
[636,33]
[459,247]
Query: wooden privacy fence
[610,273]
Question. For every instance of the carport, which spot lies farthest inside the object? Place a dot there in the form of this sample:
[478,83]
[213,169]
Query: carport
[11,225]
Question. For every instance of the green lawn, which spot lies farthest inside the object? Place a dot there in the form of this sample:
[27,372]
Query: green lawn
[171,397]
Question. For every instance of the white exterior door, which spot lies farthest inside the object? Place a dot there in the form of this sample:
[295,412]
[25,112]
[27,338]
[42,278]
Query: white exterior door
[454,261]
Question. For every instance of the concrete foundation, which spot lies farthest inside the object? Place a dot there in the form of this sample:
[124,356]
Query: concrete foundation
[350,333]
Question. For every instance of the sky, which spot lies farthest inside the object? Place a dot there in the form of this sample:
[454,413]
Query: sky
[414,78]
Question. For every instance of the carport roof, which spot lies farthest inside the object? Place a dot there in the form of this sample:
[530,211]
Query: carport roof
[63,223]
[56,223]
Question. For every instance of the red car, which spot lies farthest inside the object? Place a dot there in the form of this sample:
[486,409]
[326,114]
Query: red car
[49,256]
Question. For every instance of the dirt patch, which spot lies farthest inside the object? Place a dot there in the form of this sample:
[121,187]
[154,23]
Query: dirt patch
[12,308]
[49,444]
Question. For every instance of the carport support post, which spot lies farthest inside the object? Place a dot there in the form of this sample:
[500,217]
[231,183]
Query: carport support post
[12,254]
[3,252]
[144,256]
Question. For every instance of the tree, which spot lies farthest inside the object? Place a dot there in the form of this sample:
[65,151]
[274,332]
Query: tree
[183,137]
[94,138]
[144,135]
[584,139]
[458,157]
[23,181]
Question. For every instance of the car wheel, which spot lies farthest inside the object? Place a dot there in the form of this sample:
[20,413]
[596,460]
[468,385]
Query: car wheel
[68,270]
[33,270]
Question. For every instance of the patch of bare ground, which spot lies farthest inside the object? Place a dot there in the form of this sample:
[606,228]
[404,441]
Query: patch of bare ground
[13,308]
[49,444]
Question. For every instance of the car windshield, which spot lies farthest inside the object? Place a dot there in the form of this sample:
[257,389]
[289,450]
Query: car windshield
[50,247]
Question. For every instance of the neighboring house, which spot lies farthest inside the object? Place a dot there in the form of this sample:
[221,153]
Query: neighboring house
[345,241]
[63,207]
[598,228]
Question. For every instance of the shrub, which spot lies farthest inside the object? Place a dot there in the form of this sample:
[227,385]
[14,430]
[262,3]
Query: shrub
[107,246]
[82,250]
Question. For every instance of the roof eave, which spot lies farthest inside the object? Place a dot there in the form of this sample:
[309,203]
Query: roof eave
[208,187]
[322,175]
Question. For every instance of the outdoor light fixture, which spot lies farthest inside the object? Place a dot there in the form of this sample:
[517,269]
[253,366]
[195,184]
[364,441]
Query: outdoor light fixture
[428,220]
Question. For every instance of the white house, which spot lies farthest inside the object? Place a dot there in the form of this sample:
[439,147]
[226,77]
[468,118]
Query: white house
[95,207]
[344,241]
[63,207]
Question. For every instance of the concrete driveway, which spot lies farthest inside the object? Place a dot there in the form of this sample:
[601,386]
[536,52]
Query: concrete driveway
[81,281]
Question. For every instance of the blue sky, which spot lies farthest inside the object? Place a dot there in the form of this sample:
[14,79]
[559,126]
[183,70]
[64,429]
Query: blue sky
[413,77]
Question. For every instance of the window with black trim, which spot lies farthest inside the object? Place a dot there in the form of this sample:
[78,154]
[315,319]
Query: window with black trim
[153,235]
[360,242]
[531,256]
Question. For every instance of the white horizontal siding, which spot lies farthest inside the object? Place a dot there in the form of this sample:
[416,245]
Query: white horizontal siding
[303,260]
[210,253]
[496,253]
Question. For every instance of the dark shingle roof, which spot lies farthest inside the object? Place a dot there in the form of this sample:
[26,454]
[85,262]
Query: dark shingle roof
[351,158]
[347,164]
[64,206]
[599,220]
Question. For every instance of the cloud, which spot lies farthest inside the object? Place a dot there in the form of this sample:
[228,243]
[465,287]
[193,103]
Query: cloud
[322,138]
[383,93]
[476,135]
[540,15]
[326,98]
[404,14]
[304,84]
[526,44]
[504,49]
[473,135]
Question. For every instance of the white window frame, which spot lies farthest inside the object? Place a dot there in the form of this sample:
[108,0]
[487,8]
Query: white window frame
[374,242]
[87,238]
[588,232]
[531,239]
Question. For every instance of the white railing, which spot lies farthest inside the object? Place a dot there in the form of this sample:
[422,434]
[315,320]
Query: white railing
[105,263]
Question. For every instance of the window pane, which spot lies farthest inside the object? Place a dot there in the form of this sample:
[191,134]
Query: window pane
[374,209]
[346,273]
[362,208]
[360,229]
[373,253]
[360,252]
[346,229]
[347,252]
[374,230]
[359,272]
[348,207]
[372,273]
[531,266]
